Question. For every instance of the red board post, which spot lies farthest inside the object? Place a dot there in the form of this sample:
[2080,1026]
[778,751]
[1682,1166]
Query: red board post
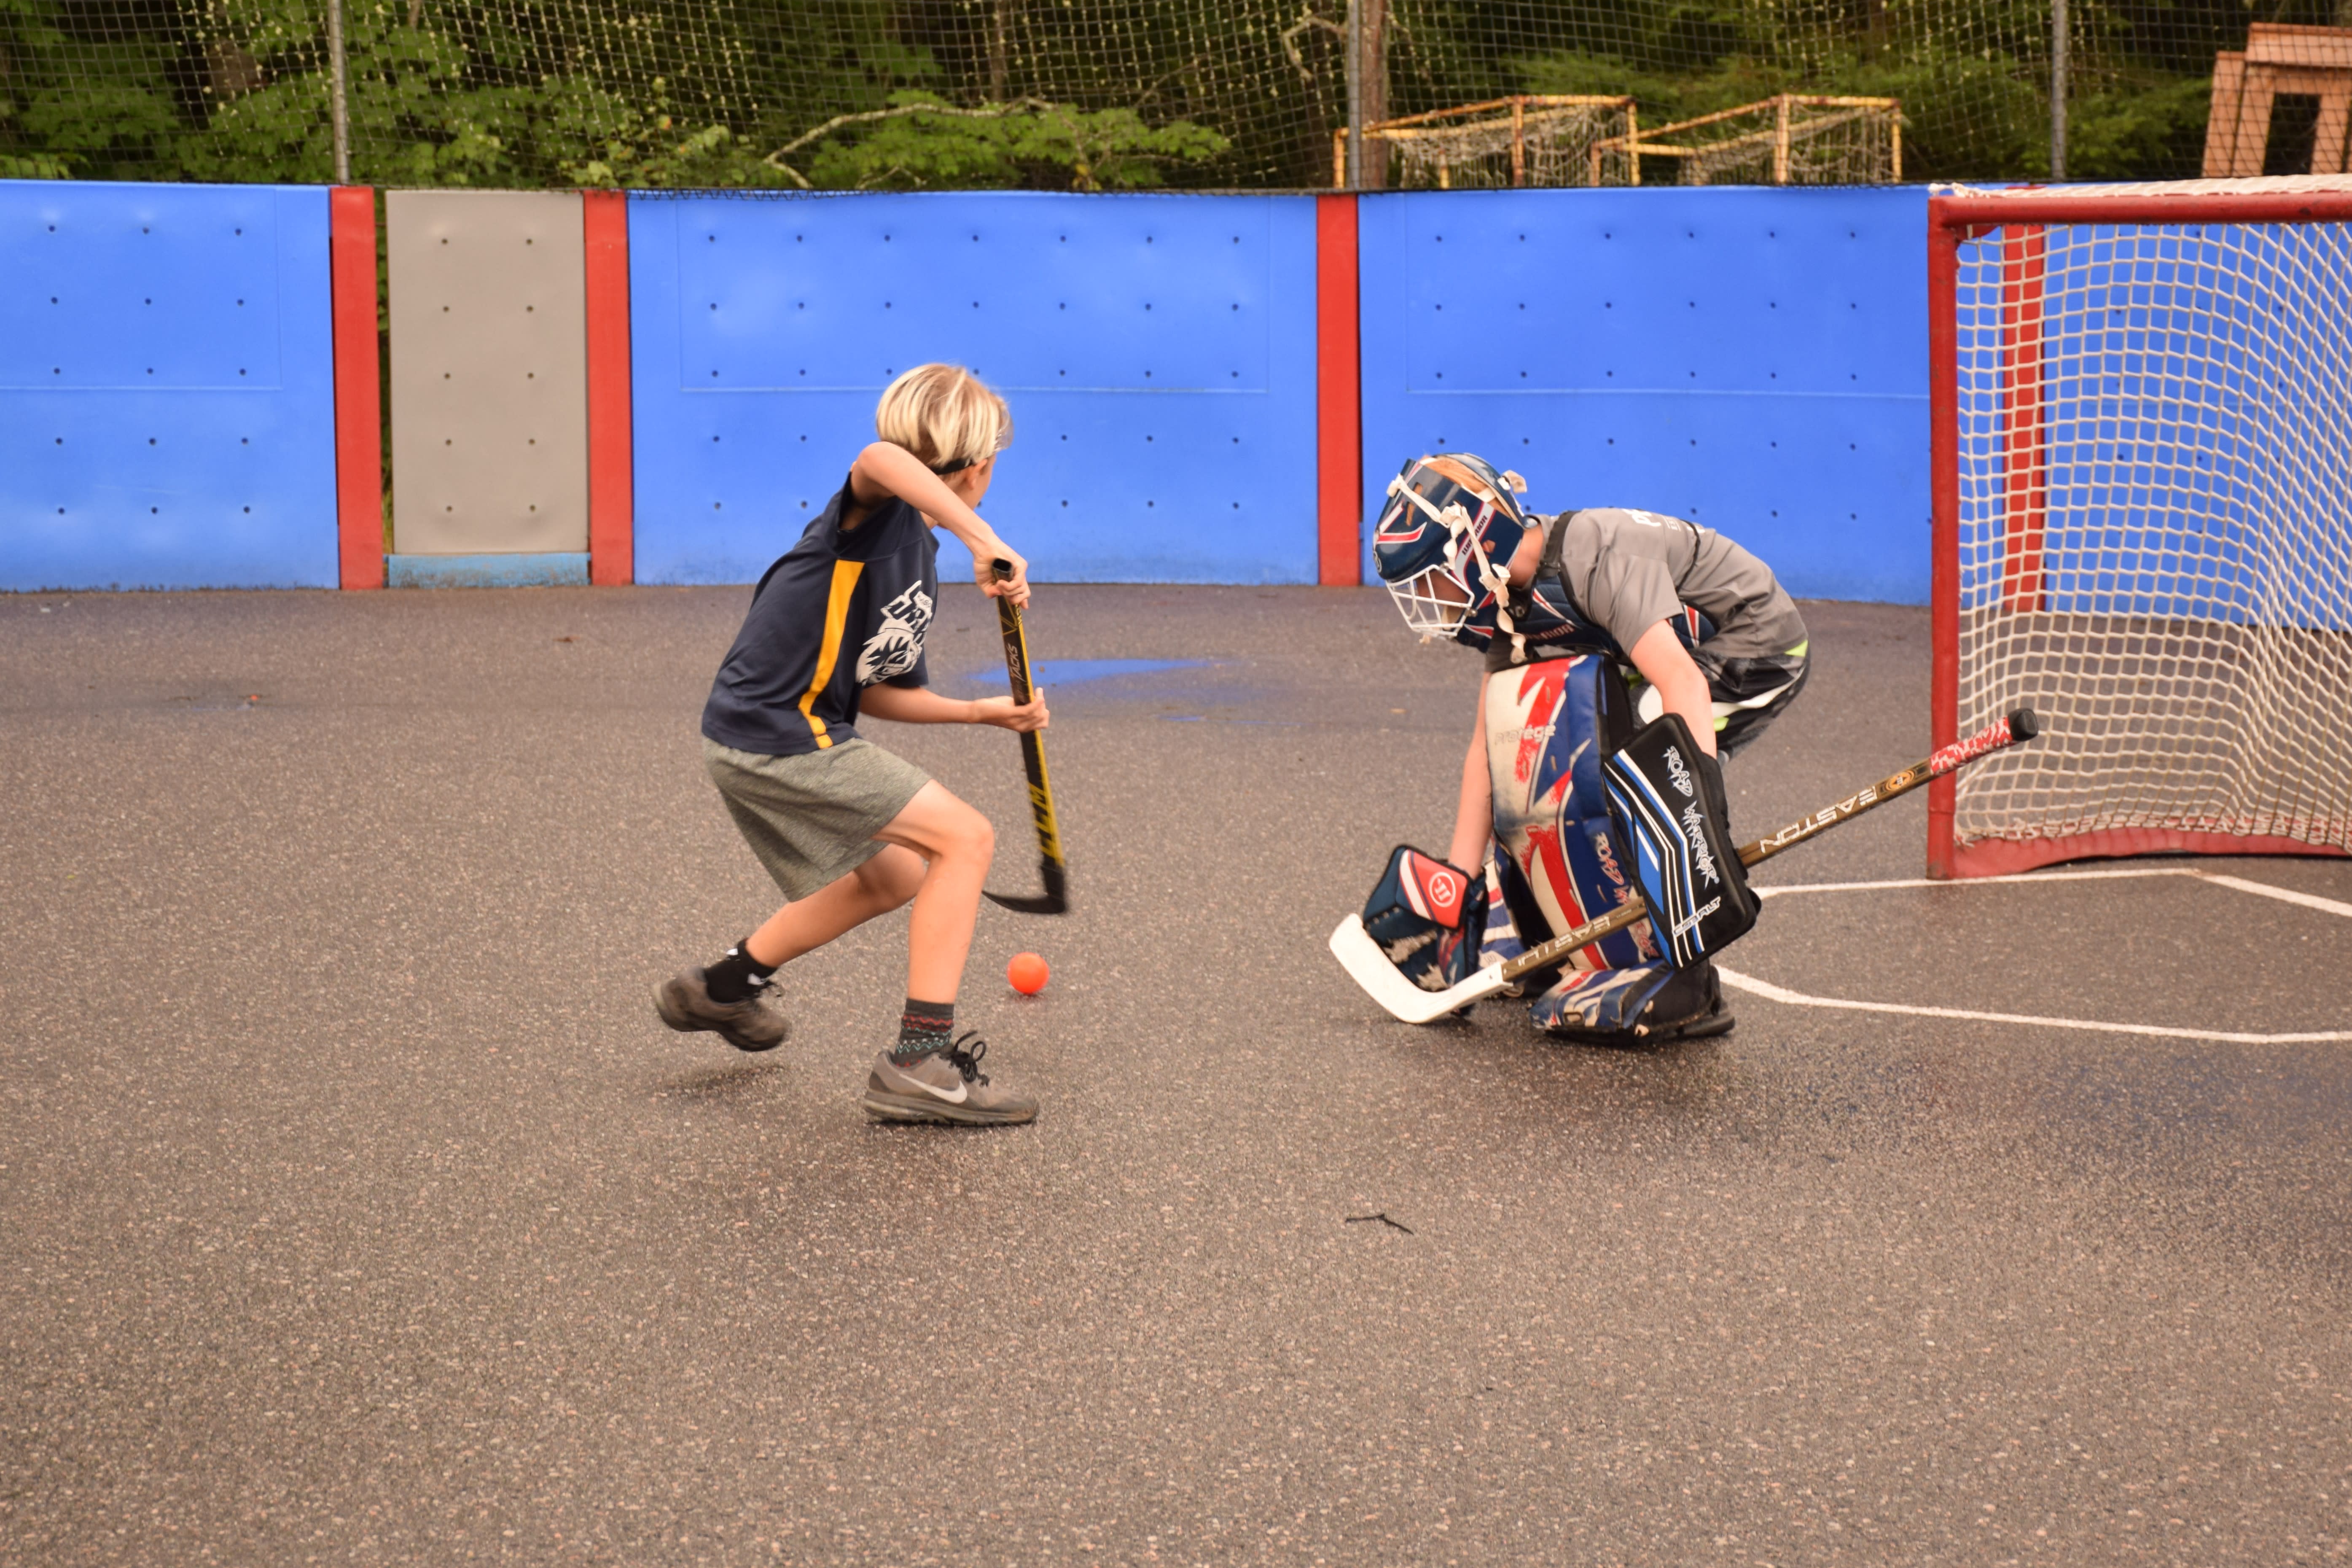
[359,398]
[612,520]
[1338,393]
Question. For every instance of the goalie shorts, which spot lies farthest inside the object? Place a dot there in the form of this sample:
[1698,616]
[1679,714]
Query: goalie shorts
[1750,693]
[812,819]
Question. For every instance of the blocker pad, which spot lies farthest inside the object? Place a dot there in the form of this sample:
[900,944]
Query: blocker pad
[1668,816]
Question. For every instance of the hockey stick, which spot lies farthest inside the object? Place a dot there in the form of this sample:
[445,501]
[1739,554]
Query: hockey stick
[1056,898]
[1362,957]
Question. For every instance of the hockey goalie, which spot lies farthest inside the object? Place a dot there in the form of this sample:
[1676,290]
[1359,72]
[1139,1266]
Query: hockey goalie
[1627,654]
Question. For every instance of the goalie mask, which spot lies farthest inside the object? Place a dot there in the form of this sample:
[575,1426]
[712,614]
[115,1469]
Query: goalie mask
[1443,544]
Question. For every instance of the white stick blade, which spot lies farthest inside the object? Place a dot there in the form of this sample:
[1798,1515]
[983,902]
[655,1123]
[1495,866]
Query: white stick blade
[1368,967]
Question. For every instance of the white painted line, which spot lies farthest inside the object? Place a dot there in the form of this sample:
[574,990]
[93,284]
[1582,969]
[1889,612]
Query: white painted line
[1771,992]
[2285,895]
[1983,881]
[2308,901]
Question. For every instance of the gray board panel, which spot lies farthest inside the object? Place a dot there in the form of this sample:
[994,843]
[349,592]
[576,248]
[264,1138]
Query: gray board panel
[489,372]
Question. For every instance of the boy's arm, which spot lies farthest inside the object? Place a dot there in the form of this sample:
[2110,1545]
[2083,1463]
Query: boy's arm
[887,469]
[1666,665]
[1474,814]
[921,705]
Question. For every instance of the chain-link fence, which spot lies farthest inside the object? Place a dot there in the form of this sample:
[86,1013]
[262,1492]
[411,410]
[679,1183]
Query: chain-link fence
[1127,94]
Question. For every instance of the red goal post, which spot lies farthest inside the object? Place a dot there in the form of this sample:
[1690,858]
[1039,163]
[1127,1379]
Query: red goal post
[2140,400]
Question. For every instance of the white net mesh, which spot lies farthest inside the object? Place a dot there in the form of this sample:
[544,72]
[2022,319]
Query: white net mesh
[2155,526]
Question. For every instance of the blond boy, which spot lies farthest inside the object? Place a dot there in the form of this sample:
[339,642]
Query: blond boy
[848,830]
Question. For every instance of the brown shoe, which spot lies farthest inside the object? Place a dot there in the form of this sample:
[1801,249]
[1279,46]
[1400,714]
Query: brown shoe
[751,1024]
[945,1085]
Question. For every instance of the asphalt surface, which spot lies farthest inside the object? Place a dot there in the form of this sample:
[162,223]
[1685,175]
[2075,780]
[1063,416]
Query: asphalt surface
[356,1208]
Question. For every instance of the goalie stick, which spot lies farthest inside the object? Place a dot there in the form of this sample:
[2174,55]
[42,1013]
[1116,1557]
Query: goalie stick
[1362,957]
[1057,898]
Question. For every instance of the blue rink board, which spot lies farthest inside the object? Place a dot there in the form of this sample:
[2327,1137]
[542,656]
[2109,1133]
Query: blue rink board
[166,387]
[1158,353]
[1753,360]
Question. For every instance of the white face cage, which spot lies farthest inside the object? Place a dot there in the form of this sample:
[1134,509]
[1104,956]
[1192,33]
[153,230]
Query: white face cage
[1435,602]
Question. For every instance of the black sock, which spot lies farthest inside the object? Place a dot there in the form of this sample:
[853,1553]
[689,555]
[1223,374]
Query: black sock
[923,1027]
[737,975]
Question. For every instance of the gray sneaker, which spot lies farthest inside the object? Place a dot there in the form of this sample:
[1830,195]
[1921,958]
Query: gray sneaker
[751,1024]
[946,1086]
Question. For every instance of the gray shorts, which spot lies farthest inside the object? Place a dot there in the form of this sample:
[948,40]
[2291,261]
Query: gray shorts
[812,819]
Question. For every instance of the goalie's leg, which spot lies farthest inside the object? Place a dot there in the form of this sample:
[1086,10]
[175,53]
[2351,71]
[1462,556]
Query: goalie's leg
[1748,694]
[1555,867]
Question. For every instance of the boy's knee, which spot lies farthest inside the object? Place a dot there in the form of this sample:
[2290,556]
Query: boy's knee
[963,834]
[890,879]
[979,837]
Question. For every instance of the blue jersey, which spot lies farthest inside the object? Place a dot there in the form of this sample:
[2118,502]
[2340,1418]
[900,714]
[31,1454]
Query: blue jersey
[844,609]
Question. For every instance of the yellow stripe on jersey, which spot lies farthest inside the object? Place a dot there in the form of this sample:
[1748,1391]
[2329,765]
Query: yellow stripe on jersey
[828,653]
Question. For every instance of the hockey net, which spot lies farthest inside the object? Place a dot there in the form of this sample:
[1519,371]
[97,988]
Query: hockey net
[1524,140]
[2143,406]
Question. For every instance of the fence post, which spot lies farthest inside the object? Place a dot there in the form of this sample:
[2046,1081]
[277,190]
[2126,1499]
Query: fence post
[2057,91]
[339,107]
[1353,49]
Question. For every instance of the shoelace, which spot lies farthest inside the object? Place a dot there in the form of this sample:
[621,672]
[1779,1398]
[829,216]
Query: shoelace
[968,1062]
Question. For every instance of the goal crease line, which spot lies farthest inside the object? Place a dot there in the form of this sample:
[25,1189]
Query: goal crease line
[2265,889]
[1772,992]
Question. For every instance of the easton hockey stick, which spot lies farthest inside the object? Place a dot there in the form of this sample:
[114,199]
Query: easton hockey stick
[1055,899]
[1362,957]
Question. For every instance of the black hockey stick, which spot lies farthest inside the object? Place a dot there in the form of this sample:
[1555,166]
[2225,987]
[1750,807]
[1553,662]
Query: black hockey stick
[1371,968]
[1057,898]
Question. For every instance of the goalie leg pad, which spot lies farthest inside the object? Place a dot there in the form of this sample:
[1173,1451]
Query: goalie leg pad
[1673,830]
[1555,865]
[1607,1006]
[1428,917]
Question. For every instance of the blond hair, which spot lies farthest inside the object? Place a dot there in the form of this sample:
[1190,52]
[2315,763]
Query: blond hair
[944,414]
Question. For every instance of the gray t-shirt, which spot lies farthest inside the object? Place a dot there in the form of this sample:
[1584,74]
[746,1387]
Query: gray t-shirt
[1628,570]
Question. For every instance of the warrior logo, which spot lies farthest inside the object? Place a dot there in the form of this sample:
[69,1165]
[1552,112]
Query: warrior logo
[1439,886]
[897,642]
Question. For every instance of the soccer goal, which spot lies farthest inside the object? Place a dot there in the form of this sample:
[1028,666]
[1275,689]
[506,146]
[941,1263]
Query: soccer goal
[2141,401]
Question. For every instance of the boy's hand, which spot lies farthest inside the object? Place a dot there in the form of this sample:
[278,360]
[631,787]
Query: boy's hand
[984,570]
[1021,718]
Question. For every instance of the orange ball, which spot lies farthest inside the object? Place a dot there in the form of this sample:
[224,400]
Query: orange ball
[1027,972]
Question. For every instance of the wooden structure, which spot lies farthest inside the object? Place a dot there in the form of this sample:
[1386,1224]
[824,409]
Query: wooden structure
[2315,62]
[1808,140]
[1546,135]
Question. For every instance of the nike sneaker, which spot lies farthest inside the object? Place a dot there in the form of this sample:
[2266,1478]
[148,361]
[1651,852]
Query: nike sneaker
[753,1024]
[945,1085]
